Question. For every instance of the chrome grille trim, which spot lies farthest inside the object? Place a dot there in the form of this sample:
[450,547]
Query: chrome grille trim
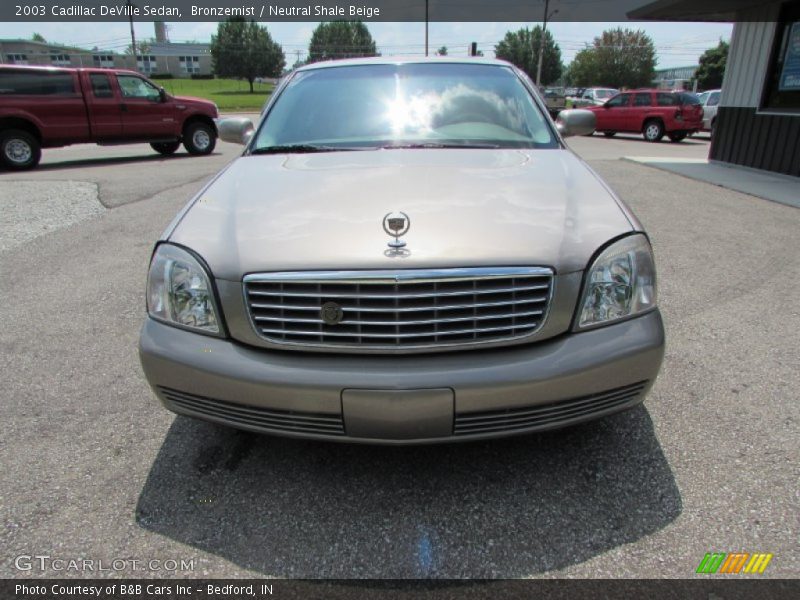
[393,296]
[400,311]
[547,415]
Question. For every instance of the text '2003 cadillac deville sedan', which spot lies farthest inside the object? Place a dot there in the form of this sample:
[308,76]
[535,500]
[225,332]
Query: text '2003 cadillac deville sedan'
[406,252]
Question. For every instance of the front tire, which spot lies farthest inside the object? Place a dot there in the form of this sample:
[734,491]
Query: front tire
[199,138]
[19,150]
[166,148]
[653,131]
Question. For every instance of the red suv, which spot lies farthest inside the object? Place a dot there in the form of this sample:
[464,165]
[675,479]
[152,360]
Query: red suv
[652,113]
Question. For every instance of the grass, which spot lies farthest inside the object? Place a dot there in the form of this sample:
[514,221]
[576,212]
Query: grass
[229,94]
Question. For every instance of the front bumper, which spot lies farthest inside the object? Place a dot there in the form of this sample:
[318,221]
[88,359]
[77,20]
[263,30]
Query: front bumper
[405,399]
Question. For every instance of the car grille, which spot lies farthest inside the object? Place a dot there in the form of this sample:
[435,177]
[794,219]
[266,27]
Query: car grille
[253,416]
[399,310]
[546,415]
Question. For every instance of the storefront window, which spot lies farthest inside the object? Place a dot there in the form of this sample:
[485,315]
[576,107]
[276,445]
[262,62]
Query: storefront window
[782,90]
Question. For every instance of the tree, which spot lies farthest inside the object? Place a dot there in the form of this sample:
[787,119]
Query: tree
[618,58]
[712,67]
[142,47]
[566,75]
[521,48]
[38,37]
[246,50]
[442,51]
[340,39]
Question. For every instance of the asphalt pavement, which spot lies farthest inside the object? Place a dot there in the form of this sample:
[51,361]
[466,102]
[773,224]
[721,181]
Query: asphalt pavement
[95,469]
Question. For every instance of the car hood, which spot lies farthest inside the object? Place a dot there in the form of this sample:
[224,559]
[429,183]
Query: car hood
[192,100]
[467,208]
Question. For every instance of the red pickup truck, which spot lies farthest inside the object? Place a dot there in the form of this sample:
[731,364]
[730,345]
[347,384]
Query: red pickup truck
[652,113]
[42,107]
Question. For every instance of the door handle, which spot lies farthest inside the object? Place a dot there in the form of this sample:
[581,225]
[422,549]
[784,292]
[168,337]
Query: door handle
[123,107]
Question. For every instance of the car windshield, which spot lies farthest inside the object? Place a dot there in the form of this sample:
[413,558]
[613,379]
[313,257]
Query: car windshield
[606,93]
[414,105]
[703,97]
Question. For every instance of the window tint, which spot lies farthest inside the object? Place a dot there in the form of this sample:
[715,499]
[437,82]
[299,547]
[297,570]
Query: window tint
[642,99]
[714,99]
[101,85]
[619,100]
[666,99]
[136,87]
[36,83]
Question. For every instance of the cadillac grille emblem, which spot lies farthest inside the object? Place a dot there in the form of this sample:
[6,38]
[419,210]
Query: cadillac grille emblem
[397,225]
[331,313]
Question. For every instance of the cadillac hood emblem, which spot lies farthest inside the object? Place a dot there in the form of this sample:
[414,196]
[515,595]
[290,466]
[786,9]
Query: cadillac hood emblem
[396,224]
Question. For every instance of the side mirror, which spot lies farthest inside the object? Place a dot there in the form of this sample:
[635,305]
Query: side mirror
[162,94]
[575,121]
[236,130]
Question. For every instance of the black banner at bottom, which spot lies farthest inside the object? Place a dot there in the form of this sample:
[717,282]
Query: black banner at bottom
[347,589]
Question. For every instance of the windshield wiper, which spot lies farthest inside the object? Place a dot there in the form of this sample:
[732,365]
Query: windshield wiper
[301,149]
[424,145]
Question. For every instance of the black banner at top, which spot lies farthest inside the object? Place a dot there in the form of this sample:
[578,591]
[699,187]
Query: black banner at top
[364,10]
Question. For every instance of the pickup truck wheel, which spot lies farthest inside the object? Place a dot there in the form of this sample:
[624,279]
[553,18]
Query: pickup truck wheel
[609,133]
[19,149]
[653,131]
[199,138]
[165,148]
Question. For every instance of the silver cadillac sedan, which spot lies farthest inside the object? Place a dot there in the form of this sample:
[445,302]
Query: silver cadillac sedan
[406,252]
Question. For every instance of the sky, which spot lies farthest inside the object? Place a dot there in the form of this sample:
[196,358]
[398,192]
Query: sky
[677,44]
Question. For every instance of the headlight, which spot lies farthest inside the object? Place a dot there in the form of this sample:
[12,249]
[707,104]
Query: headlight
[620,283]
[179,291]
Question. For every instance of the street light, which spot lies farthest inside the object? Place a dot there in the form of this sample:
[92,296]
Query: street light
[541,42]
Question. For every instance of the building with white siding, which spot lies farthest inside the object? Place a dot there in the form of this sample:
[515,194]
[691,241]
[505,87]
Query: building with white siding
[158,58]
[758,121]
[675,78]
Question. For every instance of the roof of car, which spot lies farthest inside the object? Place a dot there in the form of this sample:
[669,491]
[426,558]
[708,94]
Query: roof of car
[397,60]
[54,69]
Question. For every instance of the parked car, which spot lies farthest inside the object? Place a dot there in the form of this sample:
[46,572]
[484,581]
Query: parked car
[710,102]
[406,252]
[43,107]
[573,95]
[555,100]
[594,97]
[653,113]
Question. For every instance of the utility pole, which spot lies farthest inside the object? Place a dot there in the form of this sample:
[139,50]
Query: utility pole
[541,42]
[426,27]
[133,37]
